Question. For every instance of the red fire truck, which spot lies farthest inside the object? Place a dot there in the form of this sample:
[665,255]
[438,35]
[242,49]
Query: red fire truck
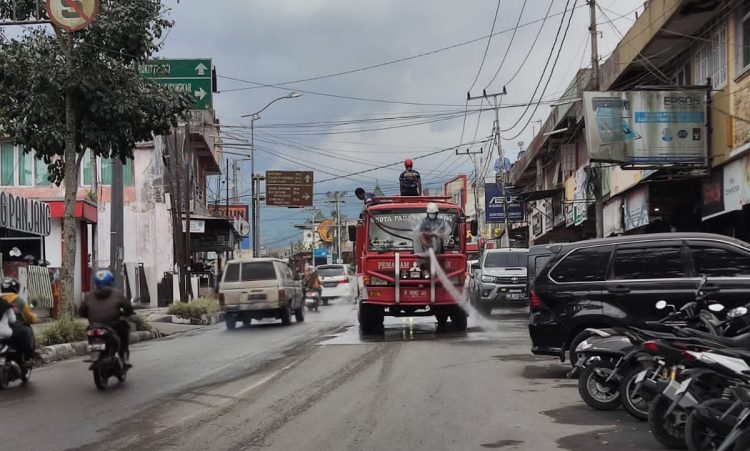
[392,279]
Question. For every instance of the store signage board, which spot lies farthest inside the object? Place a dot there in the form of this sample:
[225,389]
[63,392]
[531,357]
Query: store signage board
[25,215]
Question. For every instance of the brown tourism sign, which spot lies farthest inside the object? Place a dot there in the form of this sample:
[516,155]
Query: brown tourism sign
[25,215]
[289,188]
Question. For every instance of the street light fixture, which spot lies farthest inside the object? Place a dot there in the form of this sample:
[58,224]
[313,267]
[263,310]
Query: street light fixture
[253,194]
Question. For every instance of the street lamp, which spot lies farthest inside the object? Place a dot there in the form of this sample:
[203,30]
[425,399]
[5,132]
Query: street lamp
[256,202]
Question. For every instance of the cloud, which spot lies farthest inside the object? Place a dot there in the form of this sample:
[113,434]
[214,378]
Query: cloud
[272,41]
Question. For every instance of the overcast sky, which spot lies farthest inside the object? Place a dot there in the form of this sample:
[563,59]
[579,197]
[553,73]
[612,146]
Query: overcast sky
[275,41]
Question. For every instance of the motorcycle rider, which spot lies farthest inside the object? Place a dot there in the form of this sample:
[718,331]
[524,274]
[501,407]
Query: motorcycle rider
[107,305]
[22,336]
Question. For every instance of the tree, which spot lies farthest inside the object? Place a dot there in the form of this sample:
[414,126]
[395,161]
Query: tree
[66,92]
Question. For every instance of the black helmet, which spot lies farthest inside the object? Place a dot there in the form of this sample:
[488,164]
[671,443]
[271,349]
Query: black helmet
[10,285]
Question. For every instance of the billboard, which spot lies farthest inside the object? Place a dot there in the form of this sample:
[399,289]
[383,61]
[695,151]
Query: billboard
[646,127]
[495,207]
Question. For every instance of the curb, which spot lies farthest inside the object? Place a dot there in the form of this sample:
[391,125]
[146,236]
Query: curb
[206,320]
[65,351]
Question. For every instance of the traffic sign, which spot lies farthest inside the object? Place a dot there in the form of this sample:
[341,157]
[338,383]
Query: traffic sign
[72,15]
[289,188]
[184,75]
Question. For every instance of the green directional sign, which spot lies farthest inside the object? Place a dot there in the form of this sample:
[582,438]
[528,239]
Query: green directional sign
[185,75]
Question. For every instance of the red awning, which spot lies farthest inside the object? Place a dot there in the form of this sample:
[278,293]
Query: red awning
[83,210]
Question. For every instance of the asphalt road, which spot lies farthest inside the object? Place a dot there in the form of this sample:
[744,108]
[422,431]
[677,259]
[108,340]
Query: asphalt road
[321,386]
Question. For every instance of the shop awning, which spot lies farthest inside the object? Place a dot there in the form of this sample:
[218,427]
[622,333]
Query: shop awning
[84,210]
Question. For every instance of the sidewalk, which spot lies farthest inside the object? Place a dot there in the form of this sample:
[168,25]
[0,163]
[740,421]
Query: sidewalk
[162,325]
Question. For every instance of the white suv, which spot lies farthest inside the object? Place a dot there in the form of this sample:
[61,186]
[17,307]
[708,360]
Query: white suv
[260,288]
[337,281]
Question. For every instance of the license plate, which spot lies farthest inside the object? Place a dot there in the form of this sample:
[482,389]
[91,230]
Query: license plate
[515,295]
[641,376]
[96,347]
[256,297]
[416,275]
[683,387]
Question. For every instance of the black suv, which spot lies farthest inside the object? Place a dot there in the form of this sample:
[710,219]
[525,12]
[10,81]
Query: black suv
[618,281]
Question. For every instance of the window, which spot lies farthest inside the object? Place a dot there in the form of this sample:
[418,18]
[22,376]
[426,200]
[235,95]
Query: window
[648,263]
[86,168]
[502,259]
[329,271]
[710,60]
[232,273]
[258,271]
[681,76]
[25,167]
[583,265]
[742,46]
[42,173]
[127,172]
[717,262]
[7,164]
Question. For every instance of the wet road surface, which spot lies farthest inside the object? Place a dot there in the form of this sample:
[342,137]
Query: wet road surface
[321,386]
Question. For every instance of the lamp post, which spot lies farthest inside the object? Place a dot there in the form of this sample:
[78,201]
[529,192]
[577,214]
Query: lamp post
[255,204]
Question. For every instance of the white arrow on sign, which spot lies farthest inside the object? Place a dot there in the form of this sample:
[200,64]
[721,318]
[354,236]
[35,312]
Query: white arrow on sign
[307,178]
[201,69]
[201,93]
[306,197]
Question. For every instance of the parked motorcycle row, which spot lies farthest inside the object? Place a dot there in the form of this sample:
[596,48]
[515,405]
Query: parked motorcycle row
[687,374]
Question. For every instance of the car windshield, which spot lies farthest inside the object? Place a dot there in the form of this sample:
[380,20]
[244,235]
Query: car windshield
[330,271]
[395,229]
[505,259]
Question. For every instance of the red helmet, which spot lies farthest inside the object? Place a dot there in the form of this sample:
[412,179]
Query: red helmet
[408,164]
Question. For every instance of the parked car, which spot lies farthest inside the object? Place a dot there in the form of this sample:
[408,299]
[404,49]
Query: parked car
[260,288]
[500,280]
[618,281]
[337,281]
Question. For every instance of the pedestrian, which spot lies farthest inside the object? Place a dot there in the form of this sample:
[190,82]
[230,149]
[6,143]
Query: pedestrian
[410,182]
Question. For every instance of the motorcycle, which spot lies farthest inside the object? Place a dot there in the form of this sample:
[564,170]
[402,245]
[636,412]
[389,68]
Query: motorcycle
[103,347]
[312,300]
[11,367]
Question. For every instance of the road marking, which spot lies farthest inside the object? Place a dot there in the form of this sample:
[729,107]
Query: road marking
[263,381]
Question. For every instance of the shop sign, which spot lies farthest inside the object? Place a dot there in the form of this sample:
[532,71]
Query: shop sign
[635,210]
[196,226]
[733,185]
[25,215]
[646,127]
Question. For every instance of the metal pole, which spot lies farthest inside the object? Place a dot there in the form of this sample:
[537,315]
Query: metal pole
[313,239]
[599,201]
[116,226]
[253,225]
[189,196]
[505,241]
[257,213]
[226,200]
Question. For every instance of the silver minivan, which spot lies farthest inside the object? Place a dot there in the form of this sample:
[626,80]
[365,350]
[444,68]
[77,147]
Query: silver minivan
[260,288]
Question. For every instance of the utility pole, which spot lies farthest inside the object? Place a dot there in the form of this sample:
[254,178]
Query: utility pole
[94,228]
[470,153]
[505,241]
[189,199]
[595,74]
[116,225]
[336,198]
[314,240]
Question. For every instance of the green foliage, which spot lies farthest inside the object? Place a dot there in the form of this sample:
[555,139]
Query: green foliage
[63,330]
[194,309]
[97,68]
[140,323]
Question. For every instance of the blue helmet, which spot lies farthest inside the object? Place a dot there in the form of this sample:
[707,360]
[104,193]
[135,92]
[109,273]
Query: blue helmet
[104,278]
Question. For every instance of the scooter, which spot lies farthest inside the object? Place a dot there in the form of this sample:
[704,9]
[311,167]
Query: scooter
[11,367]
[103,348]
[312,300]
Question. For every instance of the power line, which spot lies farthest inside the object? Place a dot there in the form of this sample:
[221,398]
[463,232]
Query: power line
[507,49]
[282,85]
[489,41]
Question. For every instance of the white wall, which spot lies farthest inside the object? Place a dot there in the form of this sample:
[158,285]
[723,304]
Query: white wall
[52,244]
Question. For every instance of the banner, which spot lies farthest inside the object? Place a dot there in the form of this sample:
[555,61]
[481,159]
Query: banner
[580,197]
[635,210]
[646,127]
[613,217]
[713,194]
[495,206]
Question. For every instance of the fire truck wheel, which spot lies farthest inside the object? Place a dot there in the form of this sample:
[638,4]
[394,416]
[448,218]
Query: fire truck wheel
[459,319]
[370,318]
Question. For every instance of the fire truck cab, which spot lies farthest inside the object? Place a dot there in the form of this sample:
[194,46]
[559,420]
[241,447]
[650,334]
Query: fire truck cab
[393,278]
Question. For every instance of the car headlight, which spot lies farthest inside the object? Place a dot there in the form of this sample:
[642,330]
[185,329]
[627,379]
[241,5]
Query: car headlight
[488,279]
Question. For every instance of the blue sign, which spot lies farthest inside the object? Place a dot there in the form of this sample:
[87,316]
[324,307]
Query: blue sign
[495,206]
[321,252]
